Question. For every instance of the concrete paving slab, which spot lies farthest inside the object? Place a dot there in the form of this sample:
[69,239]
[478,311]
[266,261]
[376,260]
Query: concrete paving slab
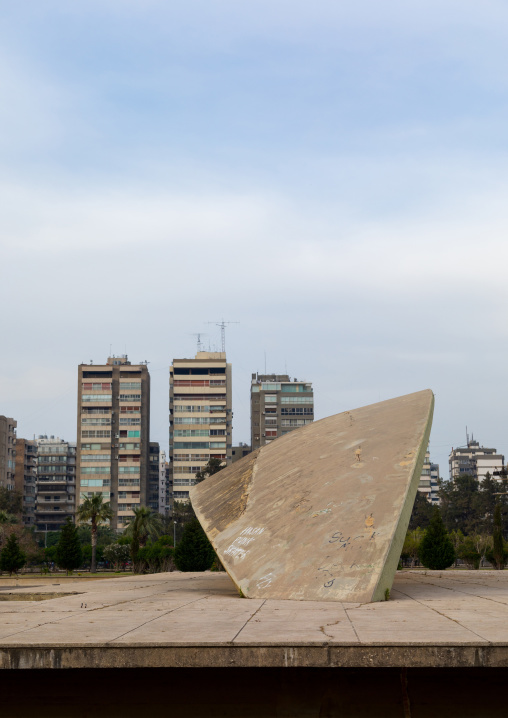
[321,513]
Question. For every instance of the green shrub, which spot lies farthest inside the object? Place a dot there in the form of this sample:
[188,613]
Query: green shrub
[436,549]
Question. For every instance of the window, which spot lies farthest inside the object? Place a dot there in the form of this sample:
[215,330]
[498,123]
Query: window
[270,399]
[296,410]
[271,386]
[92,447]
[130,397]
[181,495]
[128,446]
[217,432]
[191,445]
[100,422]
[95,469]
[128,469]
[130,385]
[217,445]
[95,457]
[87,434]
[133,434]
[96,397]
[95,482]
[132,422]
[128,482]
[297,400]
[191,432]
[102,386]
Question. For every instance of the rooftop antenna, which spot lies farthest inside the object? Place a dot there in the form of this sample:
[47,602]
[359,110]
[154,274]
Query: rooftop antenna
[467,438]
[222,326]
[198,335]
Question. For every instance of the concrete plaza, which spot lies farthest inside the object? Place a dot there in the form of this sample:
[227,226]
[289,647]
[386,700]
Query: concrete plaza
[454,621]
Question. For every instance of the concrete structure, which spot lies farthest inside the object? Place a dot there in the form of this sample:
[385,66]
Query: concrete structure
[438,647]
[25,477]
[429,480]
[56,483]
[474,460]
[322,513]
[153,476]
[200,417]
[113,435]
[7,452]
[278,406]
[238,452]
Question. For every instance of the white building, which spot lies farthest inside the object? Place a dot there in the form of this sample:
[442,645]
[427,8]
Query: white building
[474,460]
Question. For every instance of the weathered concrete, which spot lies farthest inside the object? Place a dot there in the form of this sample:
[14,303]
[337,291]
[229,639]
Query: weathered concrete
[453,619]
[321,513]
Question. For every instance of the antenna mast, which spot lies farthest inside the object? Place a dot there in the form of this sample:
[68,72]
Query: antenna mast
[222,326]
[198,336]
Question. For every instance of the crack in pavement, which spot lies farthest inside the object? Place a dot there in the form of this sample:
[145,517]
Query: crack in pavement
[248,620]
[165,613]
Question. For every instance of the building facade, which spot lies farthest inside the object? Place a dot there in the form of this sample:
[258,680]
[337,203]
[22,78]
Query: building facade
[113,435]
[56,483]
[153,477]
[163,485]
[200,417]
[429,480]
[7,452]
[475,460]
[278,406]
[25,478]
[238,452]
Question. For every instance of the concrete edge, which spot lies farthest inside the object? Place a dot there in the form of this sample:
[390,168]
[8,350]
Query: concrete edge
[289,656]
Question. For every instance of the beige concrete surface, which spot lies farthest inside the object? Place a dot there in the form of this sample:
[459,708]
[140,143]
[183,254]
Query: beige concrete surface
[452,618]
[321,513]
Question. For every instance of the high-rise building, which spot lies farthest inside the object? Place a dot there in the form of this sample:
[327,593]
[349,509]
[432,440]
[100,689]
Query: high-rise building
[113,435]
[200,417]
[25,477]
[429,480]
[56,483]
[7,452]
[475,460]
[163,485]
[278,406]
[153,477]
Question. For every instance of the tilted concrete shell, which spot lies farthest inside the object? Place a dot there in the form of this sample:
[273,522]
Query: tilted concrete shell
[321,513]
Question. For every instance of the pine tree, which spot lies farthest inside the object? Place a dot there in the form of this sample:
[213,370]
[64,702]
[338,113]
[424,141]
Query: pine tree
[12,557]
[194,551]
[69,554]
[436,549]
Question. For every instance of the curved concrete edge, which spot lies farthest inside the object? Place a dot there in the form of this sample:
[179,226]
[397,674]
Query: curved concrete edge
[228,656]
[387,576]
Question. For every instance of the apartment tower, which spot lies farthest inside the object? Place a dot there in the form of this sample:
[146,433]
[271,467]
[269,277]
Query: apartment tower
[475,460]
[7,452]
[113,435]
[200,417]
[25,477]
[56,483]
[278,406]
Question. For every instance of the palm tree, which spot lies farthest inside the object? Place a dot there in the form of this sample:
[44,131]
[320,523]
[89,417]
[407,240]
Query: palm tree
[144,525]
[94,509]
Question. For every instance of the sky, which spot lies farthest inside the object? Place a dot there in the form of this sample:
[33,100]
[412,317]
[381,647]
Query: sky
[332,176]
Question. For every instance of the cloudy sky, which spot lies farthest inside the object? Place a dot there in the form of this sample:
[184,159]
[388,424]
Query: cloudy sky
[331,175]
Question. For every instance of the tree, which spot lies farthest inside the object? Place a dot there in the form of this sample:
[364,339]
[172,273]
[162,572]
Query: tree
[194,552]
[211,468]
[421,514]
[436,549]
[12,558]
[144,525]
[412,545]
[497,555]
[68,551]
[11,501]
[117,554]
[94,509]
